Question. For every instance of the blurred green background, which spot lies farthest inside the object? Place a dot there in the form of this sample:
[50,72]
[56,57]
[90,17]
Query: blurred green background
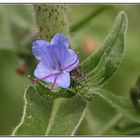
[16,27]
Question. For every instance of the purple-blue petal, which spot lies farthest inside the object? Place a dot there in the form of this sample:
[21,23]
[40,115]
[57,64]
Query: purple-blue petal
[42,70]
[63,80]
[63,57]
[60,40]
[39,48]
[58,47]
[57,54]
[70,61]
[50,79]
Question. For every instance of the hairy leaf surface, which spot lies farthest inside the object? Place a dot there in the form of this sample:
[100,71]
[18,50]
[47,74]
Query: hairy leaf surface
[102,65]
[121,103]
[41,117]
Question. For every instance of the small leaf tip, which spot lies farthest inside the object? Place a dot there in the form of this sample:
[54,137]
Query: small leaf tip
[123,15]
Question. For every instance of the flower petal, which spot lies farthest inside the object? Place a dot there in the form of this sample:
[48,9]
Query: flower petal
[63,80]
[39,48]
[61,54]
[58,47]
[60,40]
[70,61]
[42,70]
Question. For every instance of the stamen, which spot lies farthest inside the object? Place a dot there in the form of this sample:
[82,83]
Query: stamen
[46,76]
[53,82]
[32,79]
[64,72]
[71,64]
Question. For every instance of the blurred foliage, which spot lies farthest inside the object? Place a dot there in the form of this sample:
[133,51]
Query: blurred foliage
[15,39]
[15,45]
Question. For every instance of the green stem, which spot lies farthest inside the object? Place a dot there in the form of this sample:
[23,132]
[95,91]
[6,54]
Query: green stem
[51,19]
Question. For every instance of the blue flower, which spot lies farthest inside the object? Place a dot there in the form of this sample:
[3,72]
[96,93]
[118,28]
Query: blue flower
[56,60]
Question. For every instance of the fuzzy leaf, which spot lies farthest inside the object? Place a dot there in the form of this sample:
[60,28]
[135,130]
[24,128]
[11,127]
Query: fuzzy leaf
[122,104]
[41,117]
[36,114]
[50,96]
[110,54]
[68,117]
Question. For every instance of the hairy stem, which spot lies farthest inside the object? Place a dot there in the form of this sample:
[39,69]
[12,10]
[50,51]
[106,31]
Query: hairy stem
[51,19]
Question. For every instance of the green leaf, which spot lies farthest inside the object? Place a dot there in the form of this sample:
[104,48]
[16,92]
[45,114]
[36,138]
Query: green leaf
[36,114]
[69,116]
[111,59]
[109,55]
[41,117]
[122,104]
[45,92]
[95,116]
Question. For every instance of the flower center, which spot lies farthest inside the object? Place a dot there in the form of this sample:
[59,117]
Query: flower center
[60,70]
[57,65]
